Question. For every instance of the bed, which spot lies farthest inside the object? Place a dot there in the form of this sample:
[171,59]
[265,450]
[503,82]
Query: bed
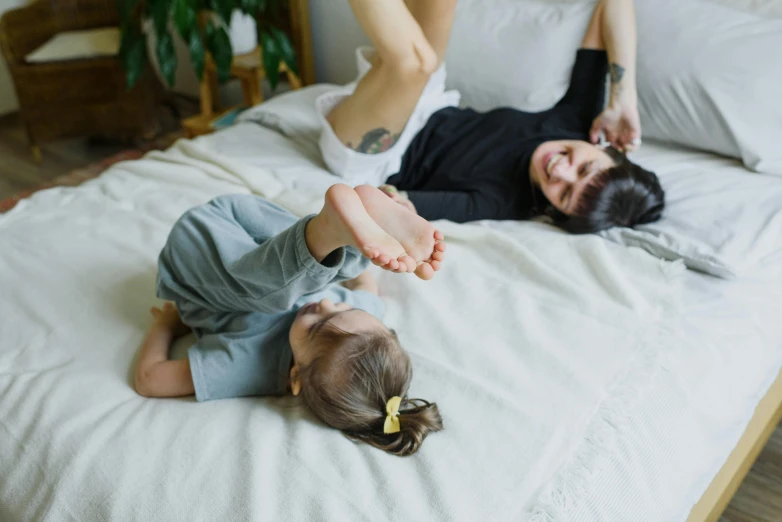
[579,378]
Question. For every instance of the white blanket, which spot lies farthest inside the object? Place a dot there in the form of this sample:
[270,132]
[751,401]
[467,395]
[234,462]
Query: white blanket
[534,344]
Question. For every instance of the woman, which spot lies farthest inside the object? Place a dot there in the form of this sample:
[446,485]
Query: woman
[462,165]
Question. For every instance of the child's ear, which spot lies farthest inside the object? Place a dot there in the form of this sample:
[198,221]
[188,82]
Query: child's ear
[295,380]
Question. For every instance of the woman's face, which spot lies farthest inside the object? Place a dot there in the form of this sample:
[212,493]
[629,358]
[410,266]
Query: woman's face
[561,169]
[312,317]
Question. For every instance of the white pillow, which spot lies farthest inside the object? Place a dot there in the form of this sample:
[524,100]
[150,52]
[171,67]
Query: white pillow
[514,53]
[710,76]
[718,218]
[72,45]
[292,113]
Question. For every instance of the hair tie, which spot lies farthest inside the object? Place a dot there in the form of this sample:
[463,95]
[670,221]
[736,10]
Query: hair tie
[391,424]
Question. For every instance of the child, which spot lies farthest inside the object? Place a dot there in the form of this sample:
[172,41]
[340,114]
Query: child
[257,287]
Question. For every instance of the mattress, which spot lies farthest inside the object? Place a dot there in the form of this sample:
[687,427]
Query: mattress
[735,355]
[579,380]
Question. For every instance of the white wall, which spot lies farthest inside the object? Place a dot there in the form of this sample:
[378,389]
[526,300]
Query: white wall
[335,36]
[8,102]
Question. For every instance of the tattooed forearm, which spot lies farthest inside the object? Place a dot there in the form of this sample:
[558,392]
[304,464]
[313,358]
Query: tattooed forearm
[376,141]
[617,73]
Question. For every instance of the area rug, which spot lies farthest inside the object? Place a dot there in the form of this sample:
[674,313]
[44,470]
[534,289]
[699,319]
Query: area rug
[80,175]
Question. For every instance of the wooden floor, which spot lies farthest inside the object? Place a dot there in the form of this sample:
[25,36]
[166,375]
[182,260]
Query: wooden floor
[17,169]
[758,500]
[760,497]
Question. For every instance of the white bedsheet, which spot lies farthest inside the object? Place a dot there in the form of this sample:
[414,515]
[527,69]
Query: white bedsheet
[545,352]
[681,433]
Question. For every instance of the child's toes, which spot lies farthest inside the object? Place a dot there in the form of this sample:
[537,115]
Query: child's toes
[408,261]
[435,265]
[439,235]
[393,265]
[424,271]
[439,246]
[380,260]
[438,256]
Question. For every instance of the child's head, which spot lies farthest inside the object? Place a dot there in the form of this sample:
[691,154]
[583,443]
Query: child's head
[347,365]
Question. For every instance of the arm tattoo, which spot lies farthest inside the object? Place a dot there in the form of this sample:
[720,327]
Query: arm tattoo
[617,73]
[377,141]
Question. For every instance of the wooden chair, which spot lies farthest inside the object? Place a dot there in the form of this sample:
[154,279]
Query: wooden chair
[86,97]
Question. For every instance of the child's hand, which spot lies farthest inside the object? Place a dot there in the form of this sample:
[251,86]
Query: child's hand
[364,282]
[168,317]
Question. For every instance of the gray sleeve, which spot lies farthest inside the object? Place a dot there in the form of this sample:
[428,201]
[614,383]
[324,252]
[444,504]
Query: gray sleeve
[366,301]
[244,254]
[251,362]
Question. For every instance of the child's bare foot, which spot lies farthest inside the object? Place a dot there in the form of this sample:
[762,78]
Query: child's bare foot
[418,237]
[345,221]
[397,197]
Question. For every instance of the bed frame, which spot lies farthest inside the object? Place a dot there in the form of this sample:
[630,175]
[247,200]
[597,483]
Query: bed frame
[302,39]
[767,414]
[721,490]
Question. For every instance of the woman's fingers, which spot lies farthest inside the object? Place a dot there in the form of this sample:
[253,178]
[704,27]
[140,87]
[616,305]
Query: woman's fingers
[594,132]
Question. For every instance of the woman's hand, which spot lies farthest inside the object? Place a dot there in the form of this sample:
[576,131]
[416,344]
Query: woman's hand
[621,125]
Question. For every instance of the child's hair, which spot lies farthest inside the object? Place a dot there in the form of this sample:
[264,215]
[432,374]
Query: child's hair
[350,383]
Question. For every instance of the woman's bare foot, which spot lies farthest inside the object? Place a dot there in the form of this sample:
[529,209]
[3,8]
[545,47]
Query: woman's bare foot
[418,237]
[398,197]
[344,221]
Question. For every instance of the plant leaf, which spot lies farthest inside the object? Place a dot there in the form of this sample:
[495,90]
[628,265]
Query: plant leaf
[251,7]
[133,54]
[224,9]
[126,8]
[166,56]
[160,11]
[219,45]
[271,58]
[197,53]
[287,53]
[185,18]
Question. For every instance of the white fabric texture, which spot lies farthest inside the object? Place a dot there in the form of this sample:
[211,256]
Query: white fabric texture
[709,77]
[516,53]
[72,45]
[79,444]
[687,421]
[719,218]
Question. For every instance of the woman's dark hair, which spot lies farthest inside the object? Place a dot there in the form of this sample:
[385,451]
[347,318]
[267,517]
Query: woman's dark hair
[350,383]
[624,195]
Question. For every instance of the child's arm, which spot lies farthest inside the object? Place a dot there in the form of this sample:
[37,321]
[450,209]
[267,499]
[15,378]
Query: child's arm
[364,282]
[156,375]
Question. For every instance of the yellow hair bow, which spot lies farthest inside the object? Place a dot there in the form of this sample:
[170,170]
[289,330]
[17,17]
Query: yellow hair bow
[392,415]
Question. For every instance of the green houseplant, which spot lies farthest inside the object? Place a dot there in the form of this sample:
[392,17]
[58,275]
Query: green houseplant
[202,25]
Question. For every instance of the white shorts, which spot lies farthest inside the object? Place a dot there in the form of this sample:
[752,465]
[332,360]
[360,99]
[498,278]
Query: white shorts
[359,168]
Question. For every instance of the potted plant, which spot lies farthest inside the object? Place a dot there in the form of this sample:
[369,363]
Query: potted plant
[202,25]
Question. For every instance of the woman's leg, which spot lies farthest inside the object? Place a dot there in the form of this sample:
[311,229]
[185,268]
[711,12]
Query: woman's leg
[372,118]
[436,19]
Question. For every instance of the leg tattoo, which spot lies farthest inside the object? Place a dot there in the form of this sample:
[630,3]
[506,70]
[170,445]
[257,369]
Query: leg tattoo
[377,141]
